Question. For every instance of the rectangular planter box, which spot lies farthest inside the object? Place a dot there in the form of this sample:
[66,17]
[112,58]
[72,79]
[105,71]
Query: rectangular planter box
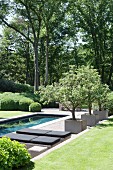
[75,126]
[97,118]
[103,115]
[91,119]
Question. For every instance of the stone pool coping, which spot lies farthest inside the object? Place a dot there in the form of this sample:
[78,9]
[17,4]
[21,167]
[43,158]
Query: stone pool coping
[5,120]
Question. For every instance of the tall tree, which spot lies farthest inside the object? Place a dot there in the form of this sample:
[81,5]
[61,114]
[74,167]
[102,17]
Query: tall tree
[94,23]
[30,11]
[14,57]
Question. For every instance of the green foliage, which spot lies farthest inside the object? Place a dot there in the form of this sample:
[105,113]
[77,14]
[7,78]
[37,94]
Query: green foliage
[51,105]
[33,96]
[8,104]
[10,101]
[109,103]
[12,154]
[18,96]
[77,87]
[10,86]
[24,104]
[4,155]
[58,38]
[47,94]
[23,88]
[102,95]
[67,92]
[35,107]
[89,81]
[6,85]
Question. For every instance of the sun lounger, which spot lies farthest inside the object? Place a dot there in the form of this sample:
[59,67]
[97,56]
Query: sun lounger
[33,131]
[40,132]
[45,140]
[20,137]
[61,134]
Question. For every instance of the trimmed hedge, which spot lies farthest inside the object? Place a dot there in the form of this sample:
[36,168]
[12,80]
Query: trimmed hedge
[10,86]
[12,154]
[24,104]
[35,107]
[18,96]
[10,101]
[9,104]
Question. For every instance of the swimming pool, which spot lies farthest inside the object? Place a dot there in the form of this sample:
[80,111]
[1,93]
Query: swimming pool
[13,125]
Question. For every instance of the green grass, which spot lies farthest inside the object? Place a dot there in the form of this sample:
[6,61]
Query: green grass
[8,114]
[91,151]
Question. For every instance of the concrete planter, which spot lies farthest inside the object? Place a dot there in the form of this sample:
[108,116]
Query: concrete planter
[103,115]
[91,119]
[75,126]
[97,118]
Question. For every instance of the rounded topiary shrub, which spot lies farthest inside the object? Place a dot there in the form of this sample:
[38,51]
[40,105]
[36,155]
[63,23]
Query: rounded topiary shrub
[35,107]
[12,154]
[24,104]
[9,104]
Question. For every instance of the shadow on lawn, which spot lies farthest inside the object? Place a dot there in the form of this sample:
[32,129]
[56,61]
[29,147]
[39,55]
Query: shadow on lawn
[108,123]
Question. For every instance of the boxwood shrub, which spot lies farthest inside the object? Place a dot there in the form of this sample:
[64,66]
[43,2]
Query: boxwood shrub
[9,104]
[24,104]
[12,154]
[35,107]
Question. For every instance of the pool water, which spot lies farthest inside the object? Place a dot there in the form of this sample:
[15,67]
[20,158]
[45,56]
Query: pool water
[24,123]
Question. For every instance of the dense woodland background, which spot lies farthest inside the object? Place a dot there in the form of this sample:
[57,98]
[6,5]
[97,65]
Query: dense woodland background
[41,38]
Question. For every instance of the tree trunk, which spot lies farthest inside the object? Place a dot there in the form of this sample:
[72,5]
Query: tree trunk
[100,107]
[36,76]
[36,44]
[73,113]
[47,45]
[27,60]
[90,109]
[27,64]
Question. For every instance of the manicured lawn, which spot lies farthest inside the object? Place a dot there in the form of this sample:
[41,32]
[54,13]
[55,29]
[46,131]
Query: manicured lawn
[91,151]
[8,114]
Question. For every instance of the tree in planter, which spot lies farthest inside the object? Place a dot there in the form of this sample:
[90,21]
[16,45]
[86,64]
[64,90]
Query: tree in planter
[110,103]
[102,95]
[89,81]
[67,91]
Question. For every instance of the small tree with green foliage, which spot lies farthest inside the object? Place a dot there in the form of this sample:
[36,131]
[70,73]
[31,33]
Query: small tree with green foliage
[76,87]
[109,103]
[67,91]
[102,95]
[89,81]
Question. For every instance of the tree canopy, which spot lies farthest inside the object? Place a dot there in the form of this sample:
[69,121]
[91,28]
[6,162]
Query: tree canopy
[42,38]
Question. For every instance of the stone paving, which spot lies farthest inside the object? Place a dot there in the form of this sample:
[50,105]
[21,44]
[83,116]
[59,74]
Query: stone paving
[59,123]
